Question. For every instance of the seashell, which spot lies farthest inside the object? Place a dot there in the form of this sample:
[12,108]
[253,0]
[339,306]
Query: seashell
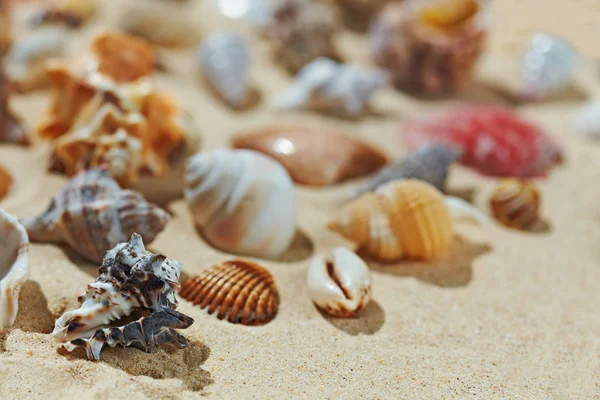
[225,60]
[301,31]
[242,202]
[495,141]
[313,156]
[587,120]
[325,85]
[14,266]
[5,182]
[547,65]
[130,279]
[11,129]
[429,164]
[25,62]
[165,23]
[256,12]
[516,203]
[240,290]
[340,285]
[5,29]
[402,219]
[92,214]
[429,46]
[72,13]
[358,14]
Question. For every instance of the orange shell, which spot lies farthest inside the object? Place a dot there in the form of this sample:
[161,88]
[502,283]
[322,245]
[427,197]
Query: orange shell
[401,219]
[515,203]
[447,13]
[123,57]
[240,290]
[5,182]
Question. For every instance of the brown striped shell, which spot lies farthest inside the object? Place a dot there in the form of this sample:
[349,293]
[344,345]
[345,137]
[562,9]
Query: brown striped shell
[516,203]
[239,290]
[402,219]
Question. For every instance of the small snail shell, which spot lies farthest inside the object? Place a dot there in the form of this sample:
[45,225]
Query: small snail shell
[340,285]
[243,202]
[515,203]
[408,218]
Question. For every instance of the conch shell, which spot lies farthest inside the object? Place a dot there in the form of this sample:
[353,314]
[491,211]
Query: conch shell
[325,85]
[11,129]
[340,285]
[516,204]
[225,60]
[131,278]
[240,290]
[72,13]
[243,202]
[92,214]
[406,219]
[14,266]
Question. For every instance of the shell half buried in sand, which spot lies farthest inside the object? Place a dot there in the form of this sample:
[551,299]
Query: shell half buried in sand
[340,284]
[130,279]
[14,266]
[242,202]
[240,291]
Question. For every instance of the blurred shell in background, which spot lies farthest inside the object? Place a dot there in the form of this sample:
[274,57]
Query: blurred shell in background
[358,14]
[314,156]
[5,27]
[256,12]
[242,202]
[11,129]
[6,181]
[14,266]
[225,61]
[516,203]
[339,89]
[587,120]
[72,13]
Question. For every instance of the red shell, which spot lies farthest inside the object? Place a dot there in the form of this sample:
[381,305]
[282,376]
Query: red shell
[495,141]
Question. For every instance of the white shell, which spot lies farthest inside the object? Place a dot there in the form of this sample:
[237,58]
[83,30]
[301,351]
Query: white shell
[242,201]
[225,59]
[587,120]
[254,11]
[25,61]
[340,88]
[14,266]
[340,285]
[547,65]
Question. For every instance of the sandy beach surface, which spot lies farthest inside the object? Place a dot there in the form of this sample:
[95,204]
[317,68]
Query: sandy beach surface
[503,315]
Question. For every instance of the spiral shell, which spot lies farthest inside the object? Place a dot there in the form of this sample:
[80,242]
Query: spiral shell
[243,202]
[92,215]
[401,219]
[516,203]
[240,290]
[14,266]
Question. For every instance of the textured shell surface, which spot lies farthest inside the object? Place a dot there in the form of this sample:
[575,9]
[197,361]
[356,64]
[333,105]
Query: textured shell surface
[405,219]
[131,278]
[225,60]
[327,85]
[25,61]
[516,203]
[429,164]
[5,182]
[340,284]
[239,290]
[242,201]
[14,266]
[314,156]
[92,214]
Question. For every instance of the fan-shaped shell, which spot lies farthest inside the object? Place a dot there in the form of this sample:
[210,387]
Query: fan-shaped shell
[243,202]
[516,203]
[401,219]
[239,290]
[14,266]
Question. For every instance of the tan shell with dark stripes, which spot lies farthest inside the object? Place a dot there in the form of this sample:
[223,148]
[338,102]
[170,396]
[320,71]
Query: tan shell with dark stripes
[239,290]
[515,203]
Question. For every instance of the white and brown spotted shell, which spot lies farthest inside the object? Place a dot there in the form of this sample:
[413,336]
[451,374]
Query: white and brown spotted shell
[92,214]
[240,291]
[242,201]
[14,266]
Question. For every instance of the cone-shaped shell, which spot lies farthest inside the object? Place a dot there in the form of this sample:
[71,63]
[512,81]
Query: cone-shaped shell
[401,219]
[14,266]
[239,290]
[516,203]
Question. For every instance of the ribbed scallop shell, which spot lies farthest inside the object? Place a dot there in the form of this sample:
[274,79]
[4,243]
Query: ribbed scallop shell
[92,214]
[239,290]
[401,219]
[516,203]
[14,266]
[242,201]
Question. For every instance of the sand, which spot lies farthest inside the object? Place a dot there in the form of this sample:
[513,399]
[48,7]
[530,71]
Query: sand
[504,315]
